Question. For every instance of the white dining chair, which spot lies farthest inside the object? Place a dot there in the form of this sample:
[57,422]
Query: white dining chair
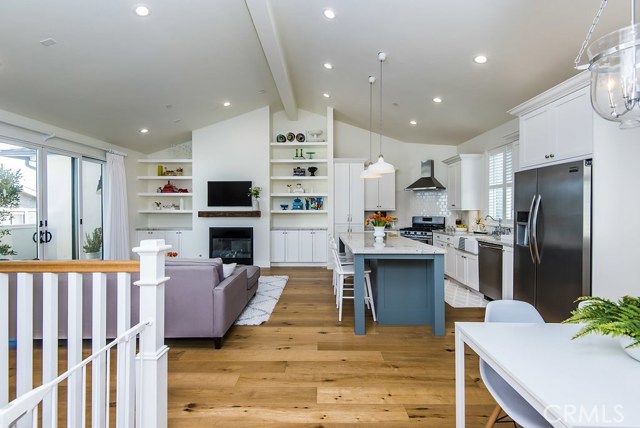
[345,259]
[508,399]
[347,271]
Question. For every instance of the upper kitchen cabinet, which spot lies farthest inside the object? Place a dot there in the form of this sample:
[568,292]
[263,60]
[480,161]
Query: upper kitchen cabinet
[380,193]
[557,125]
[464,178]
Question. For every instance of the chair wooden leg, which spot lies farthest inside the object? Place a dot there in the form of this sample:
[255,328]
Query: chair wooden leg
[494,417]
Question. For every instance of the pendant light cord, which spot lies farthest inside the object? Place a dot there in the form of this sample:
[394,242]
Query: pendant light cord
[587,39]
[371,80]
[381,61]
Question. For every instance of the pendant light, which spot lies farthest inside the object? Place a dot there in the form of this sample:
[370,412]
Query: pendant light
[367,173]
[614,62]
[381,167]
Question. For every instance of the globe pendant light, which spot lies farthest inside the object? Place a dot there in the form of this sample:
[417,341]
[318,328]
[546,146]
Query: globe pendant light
[614,62]
[381,167]
[366,173]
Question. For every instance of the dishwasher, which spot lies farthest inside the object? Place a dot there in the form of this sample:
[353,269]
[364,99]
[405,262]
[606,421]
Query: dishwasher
[490,269]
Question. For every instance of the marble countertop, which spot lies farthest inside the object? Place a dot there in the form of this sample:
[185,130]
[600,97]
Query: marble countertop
[477,236]
[363,243]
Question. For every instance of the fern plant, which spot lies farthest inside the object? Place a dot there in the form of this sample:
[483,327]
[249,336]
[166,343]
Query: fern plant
[603,316]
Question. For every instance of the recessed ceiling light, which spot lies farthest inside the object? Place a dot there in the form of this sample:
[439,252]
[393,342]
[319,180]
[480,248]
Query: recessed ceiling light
[413,122]
[48,42]
[144,131]
[326,95]
[437,100]
[142,11]
[480,59]
[226,104]
[328,66]
[329,13]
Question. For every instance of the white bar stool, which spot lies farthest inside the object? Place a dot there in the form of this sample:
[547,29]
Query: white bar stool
[345,271]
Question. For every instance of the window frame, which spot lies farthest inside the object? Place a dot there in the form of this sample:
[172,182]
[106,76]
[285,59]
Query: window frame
[507,150]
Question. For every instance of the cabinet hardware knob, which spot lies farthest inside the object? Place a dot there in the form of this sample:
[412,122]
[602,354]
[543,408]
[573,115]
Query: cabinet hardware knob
[546,156]
[551,155]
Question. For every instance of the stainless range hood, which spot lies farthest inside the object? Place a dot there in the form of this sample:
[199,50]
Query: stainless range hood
[427,181]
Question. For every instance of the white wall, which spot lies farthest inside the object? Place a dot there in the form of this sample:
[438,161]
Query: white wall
[236,149]
[616,203]
[489,140]
[353,142]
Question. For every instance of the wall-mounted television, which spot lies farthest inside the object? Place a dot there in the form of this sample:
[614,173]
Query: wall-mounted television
[228,194]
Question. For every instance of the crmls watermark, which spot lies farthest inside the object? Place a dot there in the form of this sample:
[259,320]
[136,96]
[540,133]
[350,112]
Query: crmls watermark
[584,414]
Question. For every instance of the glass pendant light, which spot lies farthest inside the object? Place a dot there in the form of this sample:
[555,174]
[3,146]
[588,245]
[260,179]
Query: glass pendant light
[366,173]
[614,62]
[381,167]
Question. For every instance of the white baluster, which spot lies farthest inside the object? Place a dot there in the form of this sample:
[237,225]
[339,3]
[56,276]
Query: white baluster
[125,379]
[98,340]
[50,346]
[74,351]
[4,339]
[24,350]
[153,352]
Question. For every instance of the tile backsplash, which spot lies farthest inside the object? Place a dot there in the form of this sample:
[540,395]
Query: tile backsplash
[430,203]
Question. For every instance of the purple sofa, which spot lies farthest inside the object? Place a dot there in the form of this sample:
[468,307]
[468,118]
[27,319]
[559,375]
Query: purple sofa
[199,301]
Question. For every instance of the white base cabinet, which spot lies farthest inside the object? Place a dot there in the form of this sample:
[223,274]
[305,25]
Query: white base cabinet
[176,238]
[299,246]
[459,265]
[507,273]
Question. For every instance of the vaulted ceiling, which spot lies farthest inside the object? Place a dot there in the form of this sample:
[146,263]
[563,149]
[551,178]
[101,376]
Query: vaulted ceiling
[111,73]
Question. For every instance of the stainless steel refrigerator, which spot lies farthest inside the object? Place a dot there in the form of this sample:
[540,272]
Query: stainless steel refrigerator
[552,251]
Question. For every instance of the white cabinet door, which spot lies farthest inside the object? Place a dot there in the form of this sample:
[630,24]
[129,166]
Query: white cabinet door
[450,261]
[535,137]
[461,267]
[341,208]
[174,238]
[473,277]
[306,246]
[292,245]
[380,193]
[149,234]
[507,273]
[453,182]
[320,246]
[356,193]
[278,246]
[573,126]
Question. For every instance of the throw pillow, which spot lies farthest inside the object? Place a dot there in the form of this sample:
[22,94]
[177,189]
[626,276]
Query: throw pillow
[228,269]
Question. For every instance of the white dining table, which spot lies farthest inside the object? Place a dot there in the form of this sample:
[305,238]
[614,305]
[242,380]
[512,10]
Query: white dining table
[588,382]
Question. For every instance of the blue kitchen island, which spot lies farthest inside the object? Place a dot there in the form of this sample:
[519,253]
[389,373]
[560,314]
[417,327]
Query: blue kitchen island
[407,278]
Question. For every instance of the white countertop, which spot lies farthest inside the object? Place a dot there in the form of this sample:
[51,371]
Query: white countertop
[363,243]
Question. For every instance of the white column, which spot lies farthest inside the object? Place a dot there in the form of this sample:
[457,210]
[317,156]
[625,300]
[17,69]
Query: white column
[24,346]
[125,379]
[74,349]
[50,346]
[152,358]
[98,340]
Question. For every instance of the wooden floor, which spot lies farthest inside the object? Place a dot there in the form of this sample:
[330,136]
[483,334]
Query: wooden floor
[304,369]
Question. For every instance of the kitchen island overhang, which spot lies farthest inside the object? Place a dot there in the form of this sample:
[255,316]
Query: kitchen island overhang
[407,278]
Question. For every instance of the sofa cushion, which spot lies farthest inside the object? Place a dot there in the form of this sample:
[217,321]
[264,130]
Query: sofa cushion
[253,273]
[216,262]
[228,269]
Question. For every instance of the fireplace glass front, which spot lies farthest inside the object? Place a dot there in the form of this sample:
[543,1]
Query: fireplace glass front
[231,244]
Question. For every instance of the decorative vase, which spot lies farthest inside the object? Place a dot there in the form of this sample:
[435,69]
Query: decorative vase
[632,352]
[255,204]
[378,232]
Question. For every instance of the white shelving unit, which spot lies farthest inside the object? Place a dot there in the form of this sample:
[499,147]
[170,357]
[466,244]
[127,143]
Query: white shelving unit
[151,181]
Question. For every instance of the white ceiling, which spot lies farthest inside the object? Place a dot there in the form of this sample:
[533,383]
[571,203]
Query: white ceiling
[112,73]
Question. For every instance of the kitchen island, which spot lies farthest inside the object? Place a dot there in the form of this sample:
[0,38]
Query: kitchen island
[407,278]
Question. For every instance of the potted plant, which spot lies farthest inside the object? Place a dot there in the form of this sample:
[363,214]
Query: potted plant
[254,192]
[10,190]
[379,222]
[93,244]
[617,319]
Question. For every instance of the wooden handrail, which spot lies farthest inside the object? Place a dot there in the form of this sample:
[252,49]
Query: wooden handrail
[62,266]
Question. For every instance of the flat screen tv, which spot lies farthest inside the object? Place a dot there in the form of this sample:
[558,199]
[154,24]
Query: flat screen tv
[228,194]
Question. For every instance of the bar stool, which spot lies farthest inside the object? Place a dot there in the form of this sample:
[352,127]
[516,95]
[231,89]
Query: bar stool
[345,271]
[344,260]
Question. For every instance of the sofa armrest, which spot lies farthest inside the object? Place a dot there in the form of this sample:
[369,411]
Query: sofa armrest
[229,299]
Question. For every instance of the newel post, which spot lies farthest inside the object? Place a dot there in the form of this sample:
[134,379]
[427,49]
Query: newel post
[152,360]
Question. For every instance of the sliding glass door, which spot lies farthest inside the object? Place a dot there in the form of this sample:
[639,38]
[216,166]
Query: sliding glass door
[44,195]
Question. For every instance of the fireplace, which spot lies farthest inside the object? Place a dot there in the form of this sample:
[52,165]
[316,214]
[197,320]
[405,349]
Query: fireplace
[231,244]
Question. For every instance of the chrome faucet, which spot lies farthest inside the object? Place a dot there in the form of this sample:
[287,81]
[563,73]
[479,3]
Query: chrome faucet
[498,230]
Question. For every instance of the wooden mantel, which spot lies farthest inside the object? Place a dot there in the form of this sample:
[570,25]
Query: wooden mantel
[228,213]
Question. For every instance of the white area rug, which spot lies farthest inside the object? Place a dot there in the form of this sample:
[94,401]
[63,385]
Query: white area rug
[260,307]
[462,297]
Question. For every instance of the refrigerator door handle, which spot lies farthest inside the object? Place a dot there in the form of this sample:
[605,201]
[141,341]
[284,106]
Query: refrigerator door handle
[534,230]
[533,259]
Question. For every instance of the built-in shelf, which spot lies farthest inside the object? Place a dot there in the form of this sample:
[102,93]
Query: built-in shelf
[297,195]
[298,211]
[165,211]
[298,161]
[229,213]
[299,177]
[165,160]
[164,177]
[164,195]
[296,144]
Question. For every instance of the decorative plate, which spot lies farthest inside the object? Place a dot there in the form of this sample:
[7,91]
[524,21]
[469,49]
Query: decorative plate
[280,138]
[291,136]
[300,138]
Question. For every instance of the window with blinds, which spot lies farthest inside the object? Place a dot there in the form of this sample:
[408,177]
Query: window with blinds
[501,183]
